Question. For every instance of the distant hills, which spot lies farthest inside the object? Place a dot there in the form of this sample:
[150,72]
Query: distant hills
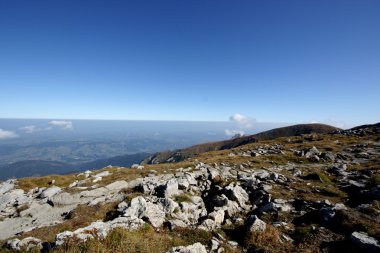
[30,168]
[182,154]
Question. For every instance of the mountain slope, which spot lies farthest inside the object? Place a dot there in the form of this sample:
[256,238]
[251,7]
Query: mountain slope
[182,154]
[294,194]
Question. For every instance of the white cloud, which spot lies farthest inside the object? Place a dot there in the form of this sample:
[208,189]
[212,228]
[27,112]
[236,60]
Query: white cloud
[243,121]
[67,125]
[4,134]
[30,129]
[233,132]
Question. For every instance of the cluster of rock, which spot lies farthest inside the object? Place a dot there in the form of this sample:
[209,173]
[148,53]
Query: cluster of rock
[184,199]
[361,131]
[275,149]
[22,211]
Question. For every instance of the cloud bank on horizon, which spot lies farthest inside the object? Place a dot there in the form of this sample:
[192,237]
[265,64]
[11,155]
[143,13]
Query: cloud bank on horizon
[4,134]
[66,125]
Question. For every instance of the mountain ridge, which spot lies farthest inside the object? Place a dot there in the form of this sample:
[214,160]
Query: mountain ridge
[182,154]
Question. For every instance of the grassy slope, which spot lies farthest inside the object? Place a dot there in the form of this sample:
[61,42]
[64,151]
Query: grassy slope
[148,240]
[295,130]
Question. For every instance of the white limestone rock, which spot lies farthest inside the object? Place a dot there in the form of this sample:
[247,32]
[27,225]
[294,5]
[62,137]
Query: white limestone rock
[194,248]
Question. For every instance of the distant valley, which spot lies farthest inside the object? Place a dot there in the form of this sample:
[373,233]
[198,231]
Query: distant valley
[41,147]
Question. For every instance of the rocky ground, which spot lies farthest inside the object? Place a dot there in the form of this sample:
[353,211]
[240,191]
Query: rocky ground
[311,193]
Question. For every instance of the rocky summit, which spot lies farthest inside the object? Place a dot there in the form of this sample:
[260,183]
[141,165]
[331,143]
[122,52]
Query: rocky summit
[315,192]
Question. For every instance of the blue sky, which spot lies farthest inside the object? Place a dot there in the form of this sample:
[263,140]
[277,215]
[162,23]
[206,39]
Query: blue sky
[275,61]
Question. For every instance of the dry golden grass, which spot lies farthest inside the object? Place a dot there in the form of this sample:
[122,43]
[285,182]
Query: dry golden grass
[60,180]
[145,240]
[267,241]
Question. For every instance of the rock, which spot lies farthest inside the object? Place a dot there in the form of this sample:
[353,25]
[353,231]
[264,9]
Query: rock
[170,188]
[365,242]
[140,208]
[219,200]
[191,211]
[363,155]
[137,166]
[314,158]
[312,152]
[168,205]
[97,179]
[10,199]
[214,244]
[7,186]
[297,172]
[102,174]
[327,214]
[195,248]
[49,192]
[260,197]
[213,174]
[328,156]
[217,216]
[270,207]
[98,229]
[374,193]
[65,198]
[186,180]
[26,244]
[73,184]
[208,224]
[254,224]
[232,208]
[238,194]
[261,174]
[117,186]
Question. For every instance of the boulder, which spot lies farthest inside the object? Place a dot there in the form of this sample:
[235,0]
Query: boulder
[65,198]
[208,224]
[271,207]
[254,224]
[117,186]
[238,194]
[261,174]
[98,229]
[365,242]
[232,208]
[7,186]
[219,200]
[102,174]
[49,192]
[139,207]
[194,248]
[26,244]
[167,205]
[217,216]
[170,188]
[312,152]
[190,212]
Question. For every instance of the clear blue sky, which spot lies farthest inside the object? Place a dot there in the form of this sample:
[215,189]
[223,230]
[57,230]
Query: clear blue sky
[276,61]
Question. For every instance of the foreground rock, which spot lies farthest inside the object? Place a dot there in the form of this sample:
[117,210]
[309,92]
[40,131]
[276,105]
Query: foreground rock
[26,244]
[98,230]
[365,242]
[195,248]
